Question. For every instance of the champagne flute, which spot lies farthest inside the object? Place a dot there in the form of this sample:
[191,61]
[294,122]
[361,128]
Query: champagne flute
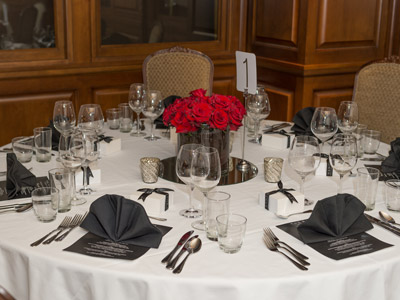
[348,116]
[153,107]
[258,108]
[136,95]
[304,158]
[343,156]
[205,173]
[182,167]
[324,124]
[64,121]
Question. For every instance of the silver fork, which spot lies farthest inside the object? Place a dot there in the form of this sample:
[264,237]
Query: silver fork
[63,224]
[77,222]
[299,259]
[277,240]
[52,238]
[270,245]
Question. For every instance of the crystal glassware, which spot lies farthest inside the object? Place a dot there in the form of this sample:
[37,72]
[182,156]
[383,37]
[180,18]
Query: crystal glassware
[64,121]
[304,158]
[90,118]
[258,108]
[153,107]
[182,167]
[324,124]
[343,155]
[205,173]
[347,116]
[136,95]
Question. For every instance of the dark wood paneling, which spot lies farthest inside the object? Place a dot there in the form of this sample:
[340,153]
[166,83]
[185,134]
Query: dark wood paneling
[282,102]
[332,98]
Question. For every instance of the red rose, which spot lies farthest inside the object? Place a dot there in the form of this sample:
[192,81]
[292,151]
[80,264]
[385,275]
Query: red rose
[201,112]
[221,101]
[235,117]
[219,119]
[198,93]
[182,124]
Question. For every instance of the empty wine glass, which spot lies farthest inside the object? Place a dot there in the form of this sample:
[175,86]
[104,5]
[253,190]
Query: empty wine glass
[90,118]
[343,156]
[347,116]
[136,95]
[182,167]
[304,158]
[258,108]
[205,173]
[324,124]
[153,107]
[64,121]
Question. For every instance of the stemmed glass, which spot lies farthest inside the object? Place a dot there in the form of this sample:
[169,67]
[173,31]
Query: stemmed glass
[258,108]
[90,118]
[343,156]
[64,121]
[205,173]
[182,167]
[304,158]
[348,116]
[136,95]
[324,124]
[153,107]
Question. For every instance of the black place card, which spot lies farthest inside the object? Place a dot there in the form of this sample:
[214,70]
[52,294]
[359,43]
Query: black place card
[340,248]
[93,245]
[384,176]
[25,190]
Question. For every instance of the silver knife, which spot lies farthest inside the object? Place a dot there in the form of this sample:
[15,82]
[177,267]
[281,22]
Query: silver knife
[172,263]
[385,225]
[15,205]
[182,240]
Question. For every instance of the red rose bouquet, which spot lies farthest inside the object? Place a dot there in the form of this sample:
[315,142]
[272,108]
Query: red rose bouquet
[217,111]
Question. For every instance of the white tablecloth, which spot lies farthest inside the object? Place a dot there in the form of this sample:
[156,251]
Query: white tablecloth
[48,272]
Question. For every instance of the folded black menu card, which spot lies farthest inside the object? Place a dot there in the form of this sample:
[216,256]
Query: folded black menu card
[25,191]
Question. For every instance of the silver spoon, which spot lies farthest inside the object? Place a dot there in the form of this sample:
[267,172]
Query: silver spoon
[19,209]
[194,246]
[387,217]
[298,213]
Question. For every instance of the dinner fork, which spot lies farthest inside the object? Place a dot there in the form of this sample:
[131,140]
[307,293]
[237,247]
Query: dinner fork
[63,224]
[270,245]
[52,238]
[77,222]
[273,237]
[299,259]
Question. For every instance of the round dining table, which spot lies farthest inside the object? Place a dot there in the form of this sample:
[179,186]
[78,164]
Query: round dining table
[47,272]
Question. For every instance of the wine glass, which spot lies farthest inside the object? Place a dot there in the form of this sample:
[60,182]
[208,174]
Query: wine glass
[136,95]
[347,116]
[182,167]
[64,121]
[90,118]
[324,124]
[153,107]
[304,158]
[343,156]
[72,159]
[258,108]
[205,173]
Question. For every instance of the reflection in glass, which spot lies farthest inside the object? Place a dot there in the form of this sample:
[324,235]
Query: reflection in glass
[158,21]
[26,24]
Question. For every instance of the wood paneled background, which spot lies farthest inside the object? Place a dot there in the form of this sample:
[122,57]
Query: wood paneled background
[308,52]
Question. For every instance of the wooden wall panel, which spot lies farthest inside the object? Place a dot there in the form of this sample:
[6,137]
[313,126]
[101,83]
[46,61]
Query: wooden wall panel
[332,98]
[110,98]
[281,102]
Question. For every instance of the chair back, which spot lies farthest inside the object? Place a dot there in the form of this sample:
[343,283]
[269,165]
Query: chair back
[4,295]
[178,71]
[377,93]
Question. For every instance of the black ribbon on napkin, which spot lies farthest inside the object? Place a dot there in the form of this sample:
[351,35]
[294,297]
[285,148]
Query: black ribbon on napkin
[121,220]
[338,216]
[280,190]
[392,162]
[161,191]
[20,181]
[281,132]
[329,169]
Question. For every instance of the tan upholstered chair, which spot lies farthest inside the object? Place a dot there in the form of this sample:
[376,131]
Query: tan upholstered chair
[377,93]
[4,295]
[178,71]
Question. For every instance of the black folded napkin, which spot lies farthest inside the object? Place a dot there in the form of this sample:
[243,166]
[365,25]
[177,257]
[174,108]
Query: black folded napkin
[121,220]
[334,217]
[392,162]
[55,136]
[19,178]
[167,102]
[302,121]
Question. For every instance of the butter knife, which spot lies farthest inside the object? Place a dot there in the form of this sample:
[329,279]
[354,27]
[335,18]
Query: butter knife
[182,240]
[387,226]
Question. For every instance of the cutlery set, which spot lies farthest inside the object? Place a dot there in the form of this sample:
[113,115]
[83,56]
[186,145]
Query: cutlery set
[273,243]
[187,244]
[65,227]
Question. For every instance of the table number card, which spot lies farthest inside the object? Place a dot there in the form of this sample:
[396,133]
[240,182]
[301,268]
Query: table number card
[246,72]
